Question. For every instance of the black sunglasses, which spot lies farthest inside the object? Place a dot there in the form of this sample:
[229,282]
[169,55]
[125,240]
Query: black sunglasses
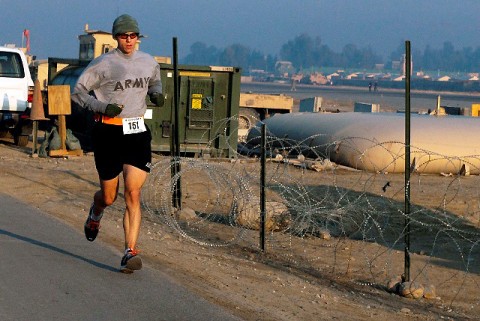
[125,36]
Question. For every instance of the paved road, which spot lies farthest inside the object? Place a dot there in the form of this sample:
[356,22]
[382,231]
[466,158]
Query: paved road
[50,272]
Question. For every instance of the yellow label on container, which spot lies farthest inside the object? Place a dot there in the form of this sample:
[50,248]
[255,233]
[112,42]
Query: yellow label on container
[197,101]
[194,74]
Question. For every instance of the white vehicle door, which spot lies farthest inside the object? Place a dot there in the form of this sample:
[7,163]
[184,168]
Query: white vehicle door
[14,81]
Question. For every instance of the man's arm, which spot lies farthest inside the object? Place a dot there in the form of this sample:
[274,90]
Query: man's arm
[81,95]
[155,88]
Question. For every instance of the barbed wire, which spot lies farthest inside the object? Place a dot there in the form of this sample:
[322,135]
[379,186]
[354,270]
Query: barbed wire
[332,219]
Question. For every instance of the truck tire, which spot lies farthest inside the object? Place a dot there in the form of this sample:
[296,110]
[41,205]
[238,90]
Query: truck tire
[247,118]
[21,140]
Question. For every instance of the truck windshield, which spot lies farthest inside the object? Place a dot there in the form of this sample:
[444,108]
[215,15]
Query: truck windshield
[11,65]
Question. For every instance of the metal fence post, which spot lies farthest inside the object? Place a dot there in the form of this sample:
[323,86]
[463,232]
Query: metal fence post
[407,160]
[262,187]
[177,193]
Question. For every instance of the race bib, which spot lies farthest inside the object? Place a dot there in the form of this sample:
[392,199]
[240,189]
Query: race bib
[133,125]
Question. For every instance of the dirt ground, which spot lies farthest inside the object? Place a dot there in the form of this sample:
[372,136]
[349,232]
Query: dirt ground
[253,285]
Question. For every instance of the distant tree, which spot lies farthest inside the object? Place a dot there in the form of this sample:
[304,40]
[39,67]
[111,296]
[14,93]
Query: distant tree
[351,56]
[431,59]
[235,55]
[257,60]
[447,58]
[299,51]
[369,58]
[305,52]
[324,56]
[474,60]
[201,54]
[398,52]
[270,62]
[469,57]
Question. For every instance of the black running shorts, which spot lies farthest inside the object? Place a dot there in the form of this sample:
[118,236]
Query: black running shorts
[113,149]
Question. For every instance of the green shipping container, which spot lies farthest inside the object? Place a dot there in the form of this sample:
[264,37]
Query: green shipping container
[208,111]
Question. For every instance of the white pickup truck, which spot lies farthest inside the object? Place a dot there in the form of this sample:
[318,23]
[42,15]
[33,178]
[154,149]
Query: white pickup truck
[16,92]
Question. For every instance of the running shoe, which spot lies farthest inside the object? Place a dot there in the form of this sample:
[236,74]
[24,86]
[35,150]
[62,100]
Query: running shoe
[130,262]
[91,227]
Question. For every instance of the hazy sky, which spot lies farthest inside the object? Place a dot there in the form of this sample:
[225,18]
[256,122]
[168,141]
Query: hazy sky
[258,24]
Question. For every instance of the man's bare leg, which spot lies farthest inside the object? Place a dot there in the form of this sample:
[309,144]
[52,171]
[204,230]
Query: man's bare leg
[104,197]
[134,179]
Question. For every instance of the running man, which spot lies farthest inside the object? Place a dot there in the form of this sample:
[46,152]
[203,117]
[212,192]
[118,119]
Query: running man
[120,81]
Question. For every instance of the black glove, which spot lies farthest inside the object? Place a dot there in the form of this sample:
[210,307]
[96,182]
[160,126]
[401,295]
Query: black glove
[113,110]
[157,99]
